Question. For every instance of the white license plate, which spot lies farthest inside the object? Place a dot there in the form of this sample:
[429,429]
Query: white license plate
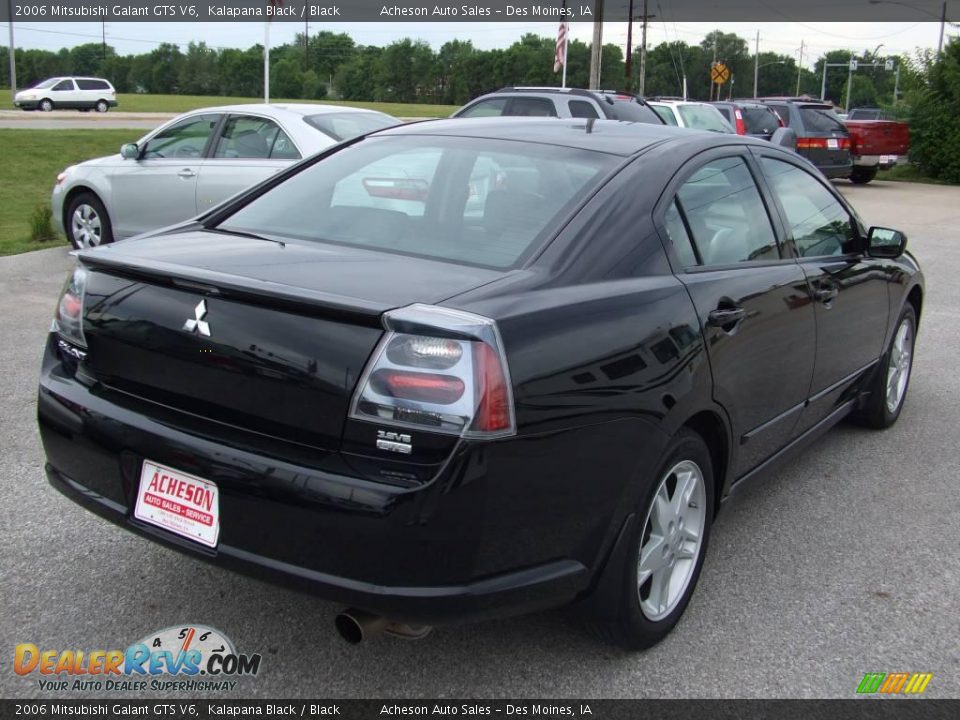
[888,159]
[833,143]
[178,502]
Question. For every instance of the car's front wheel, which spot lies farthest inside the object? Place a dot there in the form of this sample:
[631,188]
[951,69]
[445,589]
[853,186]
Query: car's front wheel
[88,224]
[102,106]
[889,387]
[46,105]
[665,550]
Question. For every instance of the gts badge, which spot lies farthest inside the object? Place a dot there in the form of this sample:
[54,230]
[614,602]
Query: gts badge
[394,442]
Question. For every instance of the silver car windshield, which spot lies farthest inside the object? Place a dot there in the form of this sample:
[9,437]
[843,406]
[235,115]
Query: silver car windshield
[472,201]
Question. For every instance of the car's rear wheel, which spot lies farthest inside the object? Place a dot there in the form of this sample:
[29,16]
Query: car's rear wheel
[666,548]
[102,106]
[861,175]
[88,224]
[889,387]
[46,105]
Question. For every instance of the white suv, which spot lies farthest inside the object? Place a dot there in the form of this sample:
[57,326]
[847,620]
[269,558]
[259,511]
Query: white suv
[68,93]
[691,114]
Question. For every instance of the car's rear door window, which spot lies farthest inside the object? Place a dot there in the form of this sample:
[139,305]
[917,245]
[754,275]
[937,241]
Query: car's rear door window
[817,222]
[473,201]
[254,138]
[493,107]
[531,107]
[726,215]
[821,119]
[582,109]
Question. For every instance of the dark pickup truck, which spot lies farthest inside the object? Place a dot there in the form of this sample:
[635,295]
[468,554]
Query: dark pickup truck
[876,143]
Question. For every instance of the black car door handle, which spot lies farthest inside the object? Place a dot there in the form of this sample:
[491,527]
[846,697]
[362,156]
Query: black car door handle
[723,317]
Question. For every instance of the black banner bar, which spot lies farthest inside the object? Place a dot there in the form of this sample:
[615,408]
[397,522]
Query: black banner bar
[174,709]
[419,11]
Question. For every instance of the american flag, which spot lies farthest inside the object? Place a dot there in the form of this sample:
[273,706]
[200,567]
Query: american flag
[560,53]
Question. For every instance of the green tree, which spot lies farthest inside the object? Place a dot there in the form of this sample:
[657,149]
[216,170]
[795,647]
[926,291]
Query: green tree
[935,119]
[286,79]
[199,74]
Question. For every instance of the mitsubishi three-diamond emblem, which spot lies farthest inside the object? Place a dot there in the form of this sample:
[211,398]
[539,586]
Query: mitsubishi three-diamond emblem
[197,323]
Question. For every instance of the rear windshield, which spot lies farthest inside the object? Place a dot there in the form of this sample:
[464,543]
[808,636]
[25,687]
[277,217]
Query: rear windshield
[820,118]
[466,200]
[759,120]
[343,126]
[633,110]
[703,117]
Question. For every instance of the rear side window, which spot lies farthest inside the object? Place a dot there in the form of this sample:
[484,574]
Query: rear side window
[86,84]
[465,200]
[726,215]
[759,120]
[582,109]
[531,107]
[679,237]
[818,223]
[486,108]
[255,138]
[821,119]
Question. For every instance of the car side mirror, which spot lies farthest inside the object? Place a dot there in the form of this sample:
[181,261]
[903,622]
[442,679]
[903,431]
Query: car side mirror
[785,137]
[885,243]
[130,151]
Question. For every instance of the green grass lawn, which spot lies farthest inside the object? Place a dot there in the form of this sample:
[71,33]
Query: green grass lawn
[183,103]
[908,173]
[135,102]
[33,160]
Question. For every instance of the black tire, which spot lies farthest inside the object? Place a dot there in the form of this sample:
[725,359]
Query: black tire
[861,174]
[93,202]
[877,413]
[102,106]
[623,621]
[46,105]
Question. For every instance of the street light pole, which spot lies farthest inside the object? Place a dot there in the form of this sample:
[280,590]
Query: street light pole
[756,65]
[943,22]
[596,50]
[12,52]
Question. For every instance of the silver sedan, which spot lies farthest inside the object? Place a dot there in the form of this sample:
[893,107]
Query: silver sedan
[194,162]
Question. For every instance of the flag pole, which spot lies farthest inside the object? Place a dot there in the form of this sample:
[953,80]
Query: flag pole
[566,46]
[266,61]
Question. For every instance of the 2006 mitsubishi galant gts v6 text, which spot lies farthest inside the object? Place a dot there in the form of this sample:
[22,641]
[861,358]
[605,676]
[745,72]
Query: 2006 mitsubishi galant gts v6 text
[469,368]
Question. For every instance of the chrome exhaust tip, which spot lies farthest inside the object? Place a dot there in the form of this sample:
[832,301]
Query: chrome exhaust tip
[355,626]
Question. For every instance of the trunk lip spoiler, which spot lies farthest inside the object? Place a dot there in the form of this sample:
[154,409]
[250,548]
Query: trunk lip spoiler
[237,286]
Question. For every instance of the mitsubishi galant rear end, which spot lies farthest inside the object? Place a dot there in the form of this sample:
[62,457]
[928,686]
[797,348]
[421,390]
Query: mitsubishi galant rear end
[456,370]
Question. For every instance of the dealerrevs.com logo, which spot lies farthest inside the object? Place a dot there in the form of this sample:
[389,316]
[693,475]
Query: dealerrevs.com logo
[177,658]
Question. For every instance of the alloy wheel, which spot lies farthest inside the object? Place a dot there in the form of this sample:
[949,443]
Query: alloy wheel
[671,541]
[899,364]
[87,226]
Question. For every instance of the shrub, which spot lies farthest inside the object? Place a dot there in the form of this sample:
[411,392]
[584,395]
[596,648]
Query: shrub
[41,224]
[935,119]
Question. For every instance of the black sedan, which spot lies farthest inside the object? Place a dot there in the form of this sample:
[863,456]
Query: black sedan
[470,368]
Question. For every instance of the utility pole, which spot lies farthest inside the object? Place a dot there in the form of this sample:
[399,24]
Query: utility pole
[896,84]
[103,28]
[756,65]
[846,104]
[713,64]
[823,81]
[628,64]
[597,48]
[943,22]
[306,45]
[266,62]
[13,57]
[643,49]
[799,68]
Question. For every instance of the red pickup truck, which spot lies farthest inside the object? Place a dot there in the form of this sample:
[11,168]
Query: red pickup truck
[875,145]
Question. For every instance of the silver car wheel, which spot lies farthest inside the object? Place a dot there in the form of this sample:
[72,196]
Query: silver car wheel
[671,540]
[899,364]
[86,226]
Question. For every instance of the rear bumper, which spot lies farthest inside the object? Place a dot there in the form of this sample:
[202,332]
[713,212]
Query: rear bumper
[504,528]
[836,171]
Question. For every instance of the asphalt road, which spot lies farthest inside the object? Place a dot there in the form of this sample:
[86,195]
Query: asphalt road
[847,562]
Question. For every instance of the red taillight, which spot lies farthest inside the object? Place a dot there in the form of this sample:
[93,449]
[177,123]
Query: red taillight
[422,387]
[69,315]
[741,127]
[845,144]
[823,143]
[493,411]
[438,370]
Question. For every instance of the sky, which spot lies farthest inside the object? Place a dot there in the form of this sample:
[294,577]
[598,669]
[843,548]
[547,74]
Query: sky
[781,37]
